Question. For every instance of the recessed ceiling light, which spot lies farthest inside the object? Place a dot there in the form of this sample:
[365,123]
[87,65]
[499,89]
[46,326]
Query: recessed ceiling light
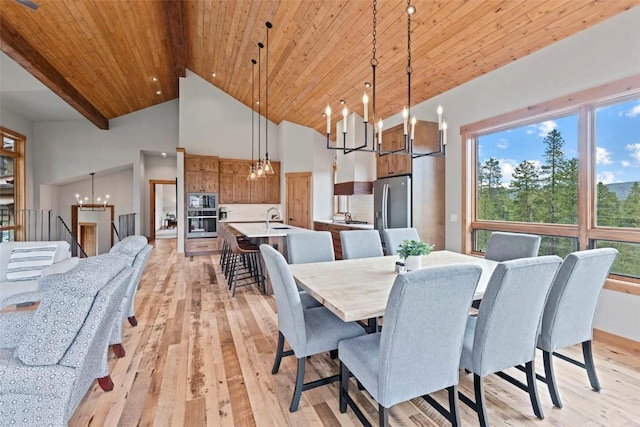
[324,114]
[367,84]
[342,102]
[158,92]
[411,9]
[213,74]
[155,79]
[164,154]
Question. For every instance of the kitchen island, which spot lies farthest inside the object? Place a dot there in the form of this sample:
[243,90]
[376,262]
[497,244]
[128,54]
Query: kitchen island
[275,235]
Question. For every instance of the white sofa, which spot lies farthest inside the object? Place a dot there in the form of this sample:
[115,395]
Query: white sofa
[62,262]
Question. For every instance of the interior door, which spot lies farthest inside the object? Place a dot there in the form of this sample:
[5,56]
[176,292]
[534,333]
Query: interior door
[298,206]
[88,237]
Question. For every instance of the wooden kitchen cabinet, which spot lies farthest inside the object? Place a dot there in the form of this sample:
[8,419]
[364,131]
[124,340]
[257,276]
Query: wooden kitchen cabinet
[201,246]
[234,187]
[335,230]
[267,190]
[393,164]
[201,174]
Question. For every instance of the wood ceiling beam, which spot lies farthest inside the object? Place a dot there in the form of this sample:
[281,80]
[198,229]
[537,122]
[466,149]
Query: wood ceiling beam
[174,14]
[28,57]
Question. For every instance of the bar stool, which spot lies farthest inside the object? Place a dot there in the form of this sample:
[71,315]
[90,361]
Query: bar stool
[243,263]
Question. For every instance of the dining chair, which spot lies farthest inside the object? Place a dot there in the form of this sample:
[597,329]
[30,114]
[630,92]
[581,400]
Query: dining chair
[360,244]
[507,246]
[418,351]
[505,331]
[308,332]
[308,247]
[568,315]
[394,236]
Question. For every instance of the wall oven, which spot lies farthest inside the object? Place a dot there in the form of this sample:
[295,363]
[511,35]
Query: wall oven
[202,215]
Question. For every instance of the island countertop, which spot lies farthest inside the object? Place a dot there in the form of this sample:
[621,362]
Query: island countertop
[259,229]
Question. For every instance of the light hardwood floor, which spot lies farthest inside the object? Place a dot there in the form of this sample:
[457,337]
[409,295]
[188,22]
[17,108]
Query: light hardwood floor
[199,357]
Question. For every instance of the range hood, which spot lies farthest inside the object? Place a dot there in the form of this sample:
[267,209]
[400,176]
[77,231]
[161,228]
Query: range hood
[353,187]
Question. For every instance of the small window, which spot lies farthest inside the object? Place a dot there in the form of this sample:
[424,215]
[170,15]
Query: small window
[628,255]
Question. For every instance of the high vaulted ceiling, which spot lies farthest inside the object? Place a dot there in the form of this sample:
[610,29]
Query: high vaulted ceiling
[101,55]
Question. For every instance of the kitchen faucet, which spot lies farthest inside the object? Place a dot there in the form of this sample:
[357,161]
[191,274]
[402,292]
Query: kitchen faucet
[347,216]
[273,208]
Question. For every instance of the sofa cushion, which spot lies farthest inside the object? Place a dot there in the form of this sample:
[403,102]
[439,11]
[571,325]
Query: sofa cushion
[27,263]
[62,252]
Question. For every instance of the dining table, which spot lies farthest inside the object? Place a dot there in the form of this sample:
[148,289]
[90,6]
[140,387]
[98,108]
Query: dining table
[358,289]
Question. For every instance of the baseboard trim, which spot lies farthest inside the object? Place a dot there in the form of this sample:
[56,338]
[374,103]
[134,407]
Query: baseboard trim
[616,340]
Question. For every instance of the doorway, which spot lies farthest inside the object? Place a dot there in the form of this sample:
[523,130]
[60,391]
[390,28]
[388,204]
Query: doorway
[88,237]
[298,186]
[100,215]
[163,194]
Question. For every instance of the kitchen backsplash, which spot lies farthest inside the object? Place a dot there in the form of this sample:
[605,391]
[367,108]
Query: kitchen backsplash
[361,207]
[253,212]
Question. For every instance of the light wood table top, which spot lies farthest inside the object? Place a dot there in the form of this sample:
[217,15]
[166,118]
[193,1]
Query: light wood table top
[358,289]
[260,230]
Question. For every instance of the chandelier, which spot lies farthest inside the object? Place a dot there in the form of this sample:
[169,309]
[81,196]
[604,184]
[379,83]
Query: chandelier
[83,203]
[409,125]
[252,169]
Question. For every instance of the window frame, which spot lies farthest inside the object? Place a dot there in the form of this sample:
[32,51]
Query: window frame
[584,104]
[19,187]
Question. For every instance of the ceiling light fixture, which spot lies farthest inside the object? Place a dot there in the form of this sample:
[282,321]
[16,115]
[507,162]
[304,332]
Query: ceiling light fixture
[268,169]
[409,126]
[252,169]
[259,164]
[83,203]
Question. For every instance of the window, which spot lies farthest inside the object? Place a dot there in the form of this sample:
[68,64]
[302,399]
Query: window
[570,174]
[11,184]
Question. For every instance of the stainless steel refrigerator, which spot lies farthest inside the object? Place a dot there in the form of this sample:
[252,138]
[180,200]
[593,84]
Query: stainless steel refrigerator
[392,203]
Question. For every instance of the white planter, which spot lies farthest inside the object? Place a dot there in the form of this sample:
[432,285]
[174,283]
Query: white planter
[413,263]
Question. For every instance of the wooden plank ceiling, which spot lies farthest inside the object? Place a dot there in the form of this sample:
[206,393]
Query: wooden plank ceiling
[102,56]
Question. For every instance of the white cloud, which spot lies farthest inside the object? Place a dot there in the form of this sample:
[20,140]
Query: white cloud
[530,131]
[545,127]
[625,163]
[603,157]
[504,143]
[506,167]
[635,151]
[606,177]
[635,111]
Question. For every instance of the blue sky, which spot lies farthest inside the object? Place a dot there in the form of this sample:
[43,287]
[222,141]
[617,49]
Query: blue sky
[617,137]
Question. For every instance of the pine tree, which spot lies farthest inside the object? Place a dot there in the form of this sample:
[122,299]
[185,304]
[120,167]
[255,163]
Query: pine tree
[492,176]
[555,160]
[607,209]
[567,202]
[631,208]
[525,185]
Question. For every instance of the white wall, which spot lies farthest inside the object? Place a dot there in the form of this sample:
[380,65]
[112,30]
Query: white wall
[213,123]
[68,150]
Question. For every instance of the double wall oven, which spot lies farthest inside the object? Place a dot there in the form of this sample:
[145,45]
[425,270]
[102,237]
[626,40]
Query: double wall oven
[202,215]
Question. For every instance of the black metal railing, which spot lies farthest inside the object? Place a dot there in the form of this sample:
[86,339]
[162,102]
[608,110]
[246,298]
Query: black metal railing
[64,233]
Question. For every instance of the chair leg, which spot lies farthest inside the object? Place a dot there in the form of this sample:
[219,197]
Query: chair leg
[278,359]
[118,350]
[532,386]
[333,353]
[105,383]
[344,387]
[454,410]
[383,416]
[299,384]
[550,378]
[132,320]
[589,366]
[481,404]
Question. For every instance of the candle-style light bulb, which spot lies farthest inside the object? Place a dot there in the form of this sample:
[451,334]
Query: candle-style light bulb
[345,113]
[405,117]
[444,133]
[365,101]
[413,127]
[439,110]
[327,112]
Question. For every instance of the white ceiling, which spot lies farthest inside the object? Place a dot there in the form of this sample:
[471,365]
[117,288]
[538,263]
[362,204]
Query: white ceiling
[23,94]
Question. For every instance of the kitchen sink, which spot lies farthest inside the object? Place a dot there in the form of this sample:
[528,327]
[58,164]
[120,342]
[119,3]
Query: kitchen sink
[279,227]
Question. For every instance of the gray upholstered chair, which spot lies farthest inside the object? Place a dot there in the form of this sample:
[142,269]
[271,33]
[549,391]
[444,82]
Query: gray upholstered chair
[137,251]
[50,356]
[307,247]
[568,315]
[394,236]
[360,244]
[507,246]
[309,332]
[505,331]
[418,351]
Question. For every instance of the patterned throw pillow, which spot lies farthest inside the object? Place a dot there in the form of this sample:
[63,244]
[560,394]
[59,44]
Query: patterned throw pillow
[27,263]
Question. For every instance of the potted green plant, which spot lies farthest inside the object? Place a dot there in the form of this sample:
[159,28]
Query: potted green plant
[412,251]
